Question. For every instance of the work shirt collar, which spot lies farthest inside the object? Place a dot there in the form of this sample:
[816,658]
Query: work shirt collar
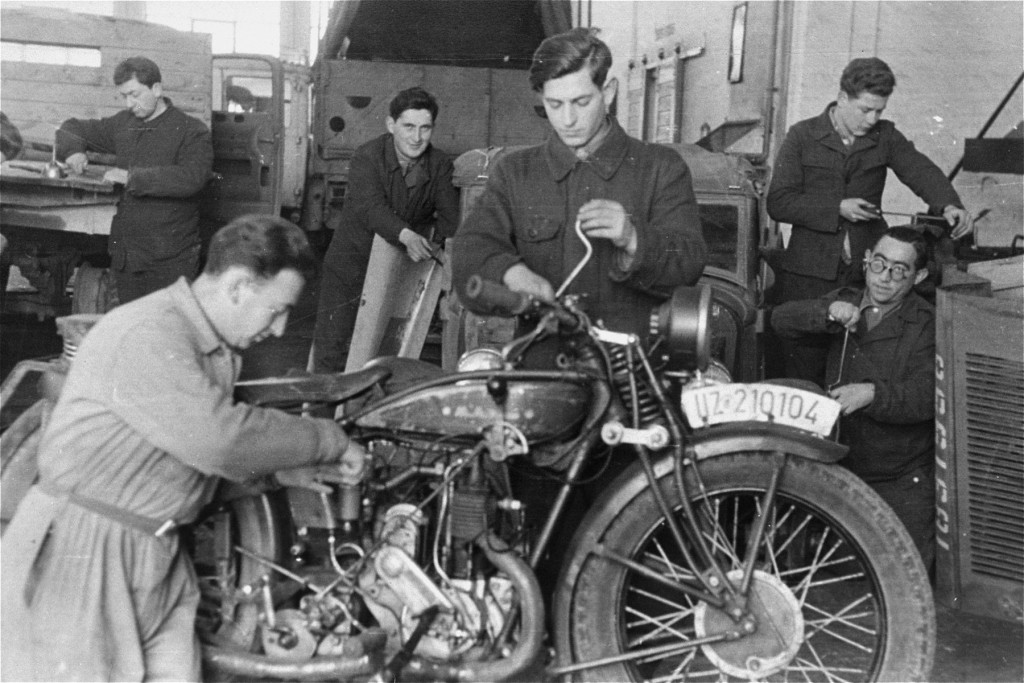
[605,160]
[185,301]
[873,313]
[391,157]
[823,131]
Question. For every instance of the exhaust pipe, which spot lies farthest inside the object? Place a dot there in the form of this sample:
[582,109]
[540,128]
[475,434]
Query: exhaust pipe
[361,656]
[527,655]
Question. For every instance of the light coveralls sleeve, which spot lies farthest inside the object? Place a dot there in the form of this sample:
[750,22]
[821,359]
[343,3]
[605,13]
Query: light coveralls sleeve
[182,410]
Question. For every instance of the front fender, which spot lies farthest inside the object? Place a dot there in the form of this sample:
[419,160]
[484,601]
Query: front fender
[736,437]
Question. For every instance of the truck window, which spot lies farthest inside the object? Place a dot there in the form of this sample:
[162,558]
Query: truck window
[720,226]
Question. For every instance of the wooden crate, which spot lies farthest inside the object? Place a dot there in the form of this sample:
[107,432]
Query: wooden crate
[38,97]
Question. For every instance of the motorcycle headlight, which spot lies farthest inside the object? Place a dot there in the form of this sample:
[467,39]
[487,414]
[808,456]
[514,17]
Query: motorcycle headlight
[684,321]
[480,359]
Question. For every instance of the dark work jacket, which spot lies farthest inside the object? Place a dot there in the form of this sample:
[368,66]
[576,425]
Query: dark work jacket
[527,214]
[169,160]
[377,202]
[895,434]
[813,173]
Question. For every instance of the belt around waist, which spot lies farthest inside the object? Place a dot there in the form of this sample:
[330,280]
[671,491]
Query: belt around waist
[147,525]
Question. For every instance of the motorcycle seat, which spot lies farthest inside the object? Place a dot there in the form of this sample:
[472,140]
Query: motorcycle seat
[328,388]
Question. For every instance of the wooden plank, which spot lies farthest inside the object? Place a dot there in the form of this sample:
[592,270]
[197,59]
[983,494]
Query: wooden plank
[69,81]
[178,70]
[60,27]
[398,300]
[87,95]
[39,73]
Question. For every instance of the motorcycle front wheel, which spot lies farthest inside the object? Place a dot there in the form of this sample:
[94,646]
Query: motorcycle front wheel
[838,590]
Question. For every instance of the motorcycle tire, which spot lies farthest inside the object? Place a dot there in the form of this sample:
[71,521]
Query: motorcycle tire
[251,522]
[839,591]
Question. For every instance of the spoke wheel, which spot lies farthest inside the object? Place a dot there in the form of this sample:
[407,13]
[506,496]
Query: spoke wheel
[838,592]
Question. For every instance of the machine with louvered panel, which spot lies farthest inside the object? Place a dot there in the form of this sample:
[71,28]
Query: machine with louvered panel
[980,453]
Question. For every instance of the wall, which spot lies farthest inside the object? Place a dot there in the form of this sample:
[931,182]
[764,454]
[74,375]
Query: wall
[954,62]
[635,30]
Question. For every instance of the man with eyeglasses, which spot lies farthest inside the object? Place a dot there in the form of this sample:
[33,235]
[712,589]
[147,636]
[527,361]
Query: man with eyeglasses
[881,368]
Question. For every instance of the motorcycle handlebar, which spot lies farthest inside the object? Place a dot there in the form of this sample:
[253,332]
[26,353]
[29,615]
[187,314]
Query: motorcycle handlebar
[496,297]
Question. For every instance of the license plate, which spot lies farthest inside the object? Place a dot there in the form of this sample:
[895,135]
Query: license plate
[722,403]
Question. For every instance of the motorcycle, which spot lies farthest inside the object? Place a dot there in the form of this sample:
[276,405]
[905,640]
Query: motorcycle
[732,547]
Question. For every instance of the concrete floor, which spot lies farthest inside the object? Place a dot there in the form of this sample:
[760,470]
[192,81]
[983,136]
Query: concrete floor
[970,648]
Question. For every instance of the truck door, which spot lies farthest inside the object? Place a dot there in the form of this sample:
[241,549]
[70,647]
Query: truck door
[247,128]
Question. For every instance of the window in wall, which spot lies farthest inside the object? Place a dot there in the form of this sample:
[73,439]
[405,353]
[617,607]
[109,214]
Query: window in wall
[739,30]
[41,53]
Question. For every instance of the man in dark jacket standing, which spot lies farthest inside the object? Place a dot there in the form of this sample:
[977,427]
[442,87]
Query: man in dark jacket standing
[828,181]
[881,368]
[164,158]
[399,187]
[633,200]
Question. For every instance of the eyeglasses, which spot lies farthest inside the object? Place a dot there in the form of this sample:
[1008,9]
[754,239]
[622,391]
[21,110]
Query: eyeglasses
[898,271]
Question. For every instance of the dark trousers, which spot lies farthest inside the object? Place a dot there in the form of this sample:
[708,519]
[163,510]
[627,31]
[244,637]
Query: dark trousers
[804,358]
[133,285]
[912,497]
[341,289]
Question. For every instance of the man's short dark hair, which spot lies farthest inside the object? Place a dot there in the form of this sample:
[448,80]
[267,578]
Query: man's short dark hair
[262,243]
[867,74]
[915,238]
[567,53]
[413,98]
[142,69]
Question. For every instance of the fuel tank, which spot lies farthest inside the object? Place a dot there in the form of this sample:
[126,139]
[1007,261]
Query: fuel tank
[543,406]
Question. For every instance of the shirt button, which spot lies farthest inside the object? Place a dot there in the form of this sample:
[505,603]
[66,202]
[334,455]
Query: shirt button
[533,232]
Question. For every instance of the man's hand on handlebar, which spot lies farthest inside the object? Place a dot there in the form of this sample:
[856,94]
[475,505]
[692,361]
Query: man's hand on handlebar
[521,279]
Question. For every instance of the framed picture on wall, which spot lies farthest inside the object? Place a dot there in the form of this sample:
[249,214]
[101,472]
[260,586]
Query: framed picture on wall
[739,31]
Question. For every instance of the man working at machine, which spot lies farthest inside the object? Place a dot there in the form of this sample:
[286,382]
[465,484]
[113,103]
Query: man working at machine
[97,585]
[881,368]
[399,187]
[635,201]
[164,159]
[828,181]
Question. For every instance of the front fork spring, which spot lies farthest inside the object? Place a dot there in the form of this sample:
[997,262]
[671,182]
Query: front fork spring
[622,370]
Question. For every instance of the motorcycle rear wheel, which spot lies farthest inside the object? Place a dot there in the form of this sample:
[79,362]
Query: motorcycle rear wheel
[840,592]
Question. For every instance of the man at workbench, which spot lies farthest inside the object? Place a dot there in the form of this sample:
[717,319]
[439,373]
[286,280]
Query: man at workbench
[828,181]
[399,187]
[164,159]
